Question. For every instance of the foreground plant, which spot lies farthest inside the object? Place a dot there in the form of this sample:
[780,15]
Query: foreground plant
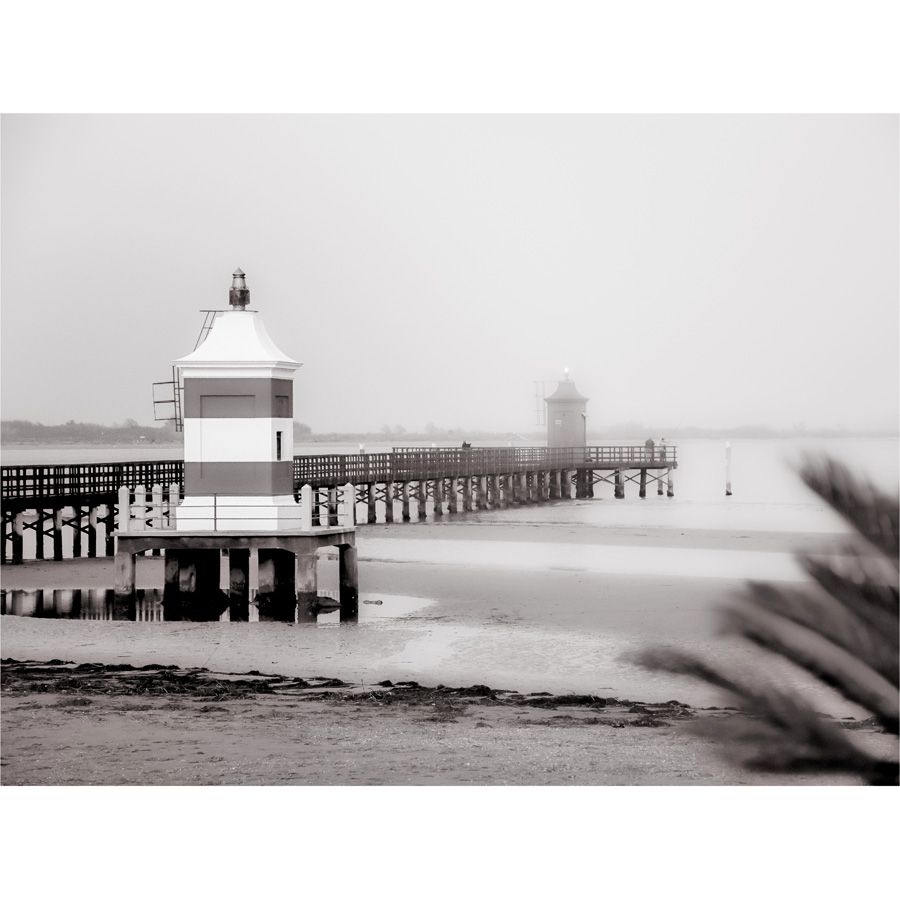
[842,627]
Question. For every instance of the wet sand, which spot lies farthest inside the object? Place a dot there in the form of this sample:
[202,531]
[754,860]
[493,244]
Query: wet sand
[562,632]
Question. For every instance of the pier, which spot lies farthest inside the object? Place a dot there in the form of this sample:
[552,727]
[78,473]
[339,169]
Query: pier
[75,510]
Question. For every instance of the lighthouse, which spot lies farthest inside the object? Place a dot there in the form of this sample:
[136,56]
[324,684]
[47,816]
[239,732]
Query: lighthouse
[566,415]
[241,547]
[238,407]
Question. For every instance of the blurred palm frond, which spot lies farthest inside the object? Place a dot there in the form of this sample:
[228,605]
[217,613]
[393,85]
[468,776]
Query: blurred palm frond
[843,628]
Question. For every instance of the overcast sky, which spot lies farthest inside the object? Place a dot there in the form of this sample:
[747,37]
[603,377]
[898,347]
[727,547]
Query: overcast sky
[689,270]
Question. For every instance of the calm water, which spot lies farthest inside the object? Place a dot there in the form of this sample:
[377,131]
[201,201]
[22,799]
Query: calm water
[539,655]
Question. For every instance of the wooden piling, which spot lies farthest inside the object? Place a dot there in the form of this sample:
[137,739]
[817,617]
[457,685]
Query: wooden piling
[671,486]
[372,517]
[643,484]
[620,486]
[404,496]
[452,496]
[389,502]
[439,496]
[467,494]
[422,498]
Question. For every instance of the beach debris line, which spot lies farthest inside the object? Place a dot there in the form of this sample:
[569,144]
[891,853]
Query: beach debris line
[71,682]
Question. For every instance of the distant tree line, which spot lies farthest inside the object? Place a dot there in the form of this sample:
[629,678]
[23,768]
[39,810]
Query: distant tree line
[21,431]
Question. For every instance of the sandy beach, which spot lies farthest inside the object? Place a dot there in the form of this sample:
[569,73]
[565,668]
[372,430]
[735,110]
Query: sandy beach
[523,635]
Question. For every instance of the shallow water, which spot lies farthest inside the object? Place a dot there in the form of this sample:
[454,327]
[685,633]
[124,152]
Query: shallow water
[406,637]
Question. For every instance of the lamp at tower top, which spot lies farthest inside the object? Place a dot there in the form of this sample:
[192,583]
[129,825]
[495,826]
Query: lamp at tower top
[239,295]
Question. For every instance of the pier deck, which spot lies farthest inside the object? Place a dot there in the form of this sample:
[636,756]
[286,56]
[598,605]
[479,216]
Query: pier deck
[84,499]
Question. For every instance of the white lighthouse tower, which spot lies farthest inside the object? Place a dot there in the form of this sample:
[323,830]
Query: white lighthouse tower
[242,547]
[238,426]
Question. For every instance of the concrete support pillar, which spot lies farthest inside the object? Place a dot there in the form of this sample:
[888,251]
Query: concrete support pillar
[225,582]
[671,486]
[439,496]
[404,496]
[238,585]
[481,500]
[349,582]
[579,484]
[451,497]
[467,494]
[253,586]
[389,501]
[523,487]
[372,517]
[554,484]
[306,585]
[422,497]
[172,589]
[620,485]
[497,495]
[125,567]
[643,484]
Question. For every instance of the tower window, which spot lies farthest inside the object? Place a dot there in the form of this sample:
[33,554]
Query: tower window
[278,445]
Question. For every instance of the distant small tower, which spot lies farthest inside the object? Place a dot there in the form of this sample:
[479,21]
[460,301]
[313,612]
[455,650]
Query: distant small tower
[566,415]
[238,425]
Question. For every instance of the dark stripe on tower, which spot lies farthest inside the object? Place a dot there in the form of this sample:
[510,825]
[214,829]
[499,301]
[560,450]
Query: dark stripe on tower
[239,479]
[238,398]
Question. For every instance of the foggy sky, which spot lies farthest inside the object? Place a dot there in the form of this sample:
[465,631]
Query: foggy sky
[689,270]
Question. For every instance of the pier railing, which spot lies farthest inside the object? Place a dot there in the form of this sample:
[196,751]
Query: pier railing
[86,479]
[91,480]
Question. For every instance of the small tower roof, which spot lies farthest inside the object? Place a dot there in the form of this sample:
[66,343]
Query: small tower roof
[238,338]
[566,390]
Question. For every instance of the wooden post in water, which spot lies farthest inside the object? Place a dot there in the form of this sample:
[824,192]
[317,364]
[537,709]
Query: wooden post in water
[481,499]
[643,483]
[422,497]
[389,502]
[439,496]
[451,498]
[620,486]
[18,532]
[727,468]
[671,487]
[404,496]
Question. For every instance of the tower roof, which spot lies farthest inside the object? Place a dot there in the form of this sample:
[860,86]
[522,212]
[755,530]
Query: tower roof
[238,338]
[566,390]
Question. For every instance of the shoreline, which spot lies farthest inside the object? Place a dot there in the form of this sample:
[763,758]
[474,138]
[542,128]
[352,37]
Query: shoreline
[120,725]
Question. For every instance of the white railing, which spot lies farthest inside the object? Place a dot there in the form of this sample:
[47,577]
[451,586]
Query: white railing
[141,509]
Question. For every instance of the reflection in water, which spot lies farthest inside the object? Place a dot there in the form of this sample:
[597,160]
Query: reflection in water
[150,605]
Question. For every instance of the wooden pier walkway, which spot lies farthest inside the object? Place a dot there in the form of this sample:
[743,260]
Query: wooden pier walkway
[84,500]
